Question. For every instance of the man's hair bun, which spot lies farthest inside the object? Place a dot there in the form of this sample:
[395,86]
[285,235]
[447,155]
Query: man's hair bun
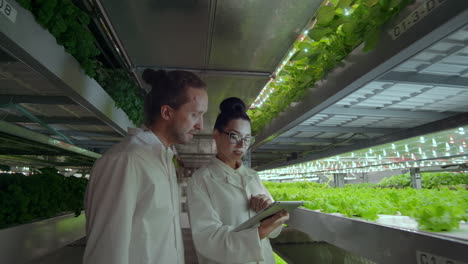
[151,76]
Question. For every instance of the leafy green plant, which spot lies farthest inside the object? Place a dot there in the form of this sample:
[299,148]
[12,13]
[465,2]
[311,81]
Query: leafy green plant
[360,185]
[428,180]
[340,28]
[437,180]
[279,260]
[125,93]
[69,25]
[433,209]
[396,181]
[42,195]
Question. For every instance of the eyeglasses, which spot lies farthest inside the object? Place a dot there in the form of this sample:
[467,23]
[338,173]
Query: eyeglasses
[236,139]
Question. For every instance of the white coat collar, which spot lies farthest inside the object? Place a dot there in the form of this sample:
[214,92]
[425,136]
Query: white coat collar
[232,176]
[150,138]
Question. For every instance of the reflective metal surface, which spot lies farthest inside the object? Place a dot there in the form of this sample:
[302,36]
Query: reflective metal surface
[221,35]
[255,35]
[31,143]
[380,243]
[23,243]
[161,33]
[294,246]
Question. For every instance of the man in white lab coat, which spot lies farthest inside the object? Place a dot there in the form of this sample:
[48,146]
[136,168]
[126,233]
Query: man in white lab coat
[132,202]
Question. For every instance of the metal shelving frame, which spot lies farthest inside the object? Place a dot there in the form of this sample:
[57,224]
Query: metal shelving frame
[34,149]
[33,45]
[44,89]
[20,244]
[380,243]
[360,70]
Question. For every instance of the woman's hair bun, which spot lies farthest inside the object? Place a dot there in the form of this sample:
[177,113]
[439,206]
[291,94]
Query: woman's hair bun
[232,104]
[151,76]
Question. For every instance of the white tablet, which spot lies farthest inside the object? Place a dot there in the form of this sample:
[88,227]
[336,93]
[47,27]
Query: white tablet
[269,211]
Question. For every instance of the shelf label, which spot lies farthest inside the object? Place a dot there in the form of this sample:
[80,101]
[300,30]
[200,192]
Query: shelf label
[7,10]
[415,16]
[426,258]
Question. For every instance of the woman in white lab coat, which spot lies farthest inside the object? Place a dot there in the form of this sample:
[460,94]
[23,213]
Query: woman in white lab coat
[225,193]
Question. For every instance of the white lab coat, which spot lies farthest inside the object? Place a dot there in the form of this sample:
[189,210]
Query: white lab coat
[132,205]
[218,202]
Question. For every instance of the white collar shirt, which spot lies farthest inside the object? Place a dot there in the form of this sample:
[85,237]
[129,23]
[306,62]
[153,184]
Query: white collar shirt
[218,198]
[132,204]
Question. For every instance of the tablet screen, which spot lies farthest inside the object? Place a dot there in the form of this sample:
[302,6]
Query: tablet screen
[269,211]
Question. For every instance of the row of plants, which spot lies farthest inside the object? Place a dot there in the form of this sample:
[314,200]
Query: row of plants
[428,180]
[341,26]
[44,194]
[279,260]
[69,25]
[435,210]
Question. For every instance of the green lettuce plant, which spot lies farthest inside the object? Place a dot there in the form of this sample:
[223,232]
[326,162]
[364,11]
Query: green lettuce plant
[434,209]
[44,194]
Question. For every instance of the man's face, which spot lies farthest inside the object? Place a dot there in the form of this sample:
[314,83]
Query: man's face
[188,119]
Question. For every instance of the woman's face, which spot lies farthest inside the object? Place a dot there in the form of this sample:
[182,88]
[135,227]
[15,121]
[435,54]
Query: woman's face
[233,142]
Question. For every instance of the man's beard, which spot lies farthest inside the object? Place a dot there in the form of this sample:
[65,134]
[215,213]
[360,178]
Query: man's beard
[180,137]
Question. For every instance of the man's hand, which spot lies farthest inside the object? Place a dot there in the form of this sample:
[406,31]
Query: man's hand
[259,202]
[271,223]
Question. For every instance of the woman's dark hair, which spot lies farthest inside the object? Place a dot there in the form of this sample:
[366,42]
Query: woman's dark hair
[231,109]
[167,88]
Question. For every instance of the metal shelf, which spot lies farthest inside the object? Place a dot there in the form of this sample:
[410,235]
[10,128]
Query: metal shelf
[381,243]
[377,95]
[37,48]
[45,90]
[23,243]
[21,146]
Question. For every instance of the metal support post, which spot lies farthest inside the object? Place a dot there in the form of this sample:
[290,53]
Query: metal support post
[338,178]
[415,178]
[322,178]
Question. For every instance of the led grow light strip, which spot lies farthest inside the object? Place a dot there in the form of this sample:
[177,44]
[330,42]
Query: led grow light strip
[445,147]
[267,90]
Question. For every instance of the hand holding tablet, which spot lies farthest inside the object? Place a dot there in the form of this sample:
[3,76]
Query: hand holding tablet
[267,212]
[271,223]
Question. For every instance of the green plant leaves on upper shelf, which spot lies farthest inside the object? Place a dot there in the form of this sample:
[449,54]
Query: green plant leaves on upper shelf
[340,28]
[325,15]
[69,25]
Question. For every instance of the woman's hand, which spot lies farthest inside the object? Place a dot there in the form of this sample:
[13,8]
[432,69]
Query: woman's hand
[259,202]
[271,223]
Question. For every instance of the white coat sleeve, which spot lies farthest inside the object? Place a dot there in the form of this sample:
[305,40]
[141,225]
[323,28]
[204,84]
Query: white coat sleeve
[214,240]
[109,206]
[275,233]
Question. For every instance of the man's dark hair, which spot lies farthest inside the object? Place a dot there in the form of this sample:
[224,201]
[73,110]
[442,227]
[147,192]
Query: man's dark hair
[167,88]
[231,108]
